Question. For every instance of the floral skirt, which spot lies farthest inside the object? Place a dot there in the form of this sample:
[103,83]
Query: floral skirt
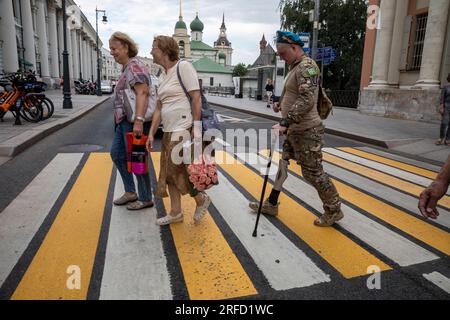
[171,173]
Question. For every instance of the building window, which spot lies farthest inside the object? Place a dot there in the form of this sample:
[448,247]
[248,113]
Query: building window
[417,40]
[211,81]
[181,45]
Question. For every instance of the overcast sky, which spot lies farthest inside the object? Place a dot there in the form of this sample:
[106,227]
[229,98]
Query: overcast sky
[246,21]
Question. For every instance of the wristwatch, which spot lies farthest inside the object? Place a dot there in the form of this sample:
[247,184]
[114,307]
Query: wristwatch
[140,118]
[284,123]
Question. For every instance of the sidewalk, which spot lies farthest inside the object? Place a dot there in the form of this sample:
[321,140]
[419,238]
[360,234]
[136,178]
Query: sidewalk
[14,139]
[410,137]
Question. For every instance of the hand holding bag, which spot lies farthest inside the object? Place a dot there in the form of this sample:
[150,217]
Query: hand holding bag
[137,155]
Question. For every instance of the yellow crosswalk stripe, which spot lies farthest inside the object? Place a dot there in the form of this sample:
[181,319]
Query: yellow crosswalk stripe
[347,257]
[411,225]
[69,248]
[384,178]
[390,162]
[211,269]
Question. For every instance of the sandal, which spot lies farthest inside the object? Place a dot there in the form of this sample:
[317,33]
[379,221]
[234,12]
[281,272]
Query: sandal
[200,211]
[168,219]
[124,200]
[440,142]
[138,205]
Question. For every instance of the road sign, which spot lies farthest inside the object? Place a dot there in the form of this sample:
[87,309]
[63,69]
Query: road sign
[305,37]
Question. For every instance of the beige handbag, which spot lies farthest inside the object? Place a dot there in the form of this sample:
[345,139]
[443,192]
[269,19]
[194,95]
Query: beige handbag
[129,102]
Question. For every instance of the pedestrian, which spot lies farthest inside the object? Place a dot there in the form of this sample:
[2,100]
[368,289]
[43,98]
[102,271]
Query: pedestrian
[434,192]
[444,110]
[178,116]
[269,91]
[135,75]
[304,130]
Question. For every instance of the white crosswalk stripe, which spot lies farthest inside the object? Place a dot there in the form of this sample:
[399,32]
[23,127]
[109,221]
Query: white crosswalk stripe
[382,167]
[135,264]
[387,242]
[293,269]
[20,221]
[399,198]
[439,280]
[396,157]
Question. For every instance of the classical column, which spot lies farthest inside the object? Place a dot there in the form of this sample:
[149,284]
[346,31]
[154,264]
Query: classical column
[8,35]
[396,47]
[43,42]
[383,45]
[86,60]
[83,75]
[28,33]
[70,51]
[75,61]
[59,19]
[434,44]
[53,40]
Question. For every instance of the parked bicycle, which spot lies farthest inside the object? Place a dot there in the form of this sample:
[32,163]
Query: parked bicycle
[22,95]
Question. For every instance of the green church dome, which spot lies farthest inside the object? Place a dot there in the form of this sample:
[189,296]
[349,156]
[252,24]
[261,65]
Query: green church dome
[197,25]
[180,25]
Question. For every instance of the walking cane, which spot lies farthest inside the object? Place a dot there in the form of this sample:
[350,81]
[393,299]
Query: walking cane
[266,178]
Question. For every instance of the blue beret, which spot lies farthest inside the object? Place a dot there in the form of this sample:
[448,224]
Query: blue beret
[289,37]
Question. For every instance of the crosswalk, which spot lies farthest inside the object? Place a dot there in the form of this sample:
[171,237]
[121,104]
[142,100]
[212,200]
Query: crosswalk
[61,238]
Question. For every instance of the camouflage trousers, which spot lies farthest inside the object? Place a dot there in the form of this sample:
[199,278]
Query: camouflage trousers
[306,148]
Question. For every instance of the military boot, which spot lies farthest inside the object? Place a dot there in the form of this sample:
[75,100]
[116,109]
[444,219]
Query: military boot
[267,208]
[328,219]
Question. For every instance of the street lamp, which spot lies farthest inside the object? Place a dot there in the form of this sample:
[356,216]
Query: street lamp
[104,20]
[67,102]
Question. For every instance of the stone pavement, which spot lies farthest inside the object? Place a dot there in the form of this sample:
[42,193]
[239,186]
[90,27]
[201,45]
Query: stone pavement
[405,136]
[14,139]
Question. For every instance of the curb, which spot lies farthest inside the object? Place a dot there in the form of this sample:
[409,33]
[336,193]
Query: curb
[21,142]
[335,132]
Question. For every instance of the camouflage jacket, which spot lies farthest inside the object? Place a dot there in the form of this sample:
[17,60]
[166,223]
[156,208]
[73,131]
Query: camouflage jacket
[298,101]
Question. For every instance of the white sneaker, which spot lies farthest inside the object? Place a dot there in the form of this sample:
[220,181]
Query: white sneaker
[200,211]
[168,219]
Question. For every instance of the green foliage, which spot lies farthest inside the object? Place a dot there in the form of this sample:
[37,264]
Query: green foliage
[343,28]
[240,70]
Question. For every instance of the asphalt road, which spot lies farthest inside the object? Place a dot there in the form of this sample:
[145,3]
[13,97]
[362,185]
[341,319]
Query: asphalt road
[94,133]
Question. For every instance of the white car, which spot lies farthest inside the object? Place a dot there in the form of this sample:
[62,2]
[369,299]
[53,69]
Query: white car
[107,86]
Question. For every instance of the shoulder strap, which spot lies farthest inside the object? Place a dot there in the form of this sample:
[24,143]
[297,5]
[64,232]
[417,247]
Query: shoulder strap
[181,82]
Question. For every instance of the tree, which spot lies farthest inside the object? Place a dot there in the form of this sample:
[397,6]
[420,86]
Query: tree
[240,70]
[343,26]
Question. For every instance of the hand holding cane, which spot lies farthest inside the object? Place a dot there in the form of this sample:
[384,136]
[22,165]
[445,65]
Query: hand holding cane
[266,178]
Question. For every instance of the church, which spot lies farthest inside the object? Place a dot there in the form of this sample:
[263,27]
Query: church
[213,64]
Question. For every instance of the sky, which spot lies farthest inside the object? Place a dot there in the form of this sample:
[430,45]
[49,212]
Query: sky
[246,21]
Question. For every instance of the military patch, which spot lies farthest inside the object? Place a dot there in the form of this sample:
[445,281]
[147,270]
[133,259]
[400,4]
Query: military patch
[312,72]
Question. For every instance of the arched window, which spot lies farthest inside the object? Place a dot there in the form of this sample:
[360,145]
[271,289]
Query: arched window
[181,46]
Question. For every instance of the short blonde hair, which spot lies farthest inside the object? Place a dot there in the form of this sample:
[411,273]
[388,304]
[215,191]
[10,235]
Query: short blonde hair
[126,40]
[168,46]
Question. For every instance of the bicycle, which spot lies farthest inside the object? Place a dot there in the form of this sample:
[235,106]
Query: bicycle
[24,98]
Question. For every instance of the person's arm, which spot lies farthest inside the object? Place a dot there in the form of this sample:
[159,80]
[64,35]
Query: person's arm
[431,195]
[142,91]
[196,104]
[443,94]
[156,120]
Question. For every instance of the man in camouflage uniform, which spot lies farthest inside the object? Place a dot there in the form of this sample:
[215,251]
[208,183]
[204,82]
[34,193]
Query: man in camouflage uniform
[304,130]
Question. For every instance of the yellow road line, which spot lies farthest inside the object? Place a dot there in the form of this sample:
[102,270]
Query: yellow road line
[384,178]
[210,268]
[390,162]
[347,257]
[72,239]
[411,225]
